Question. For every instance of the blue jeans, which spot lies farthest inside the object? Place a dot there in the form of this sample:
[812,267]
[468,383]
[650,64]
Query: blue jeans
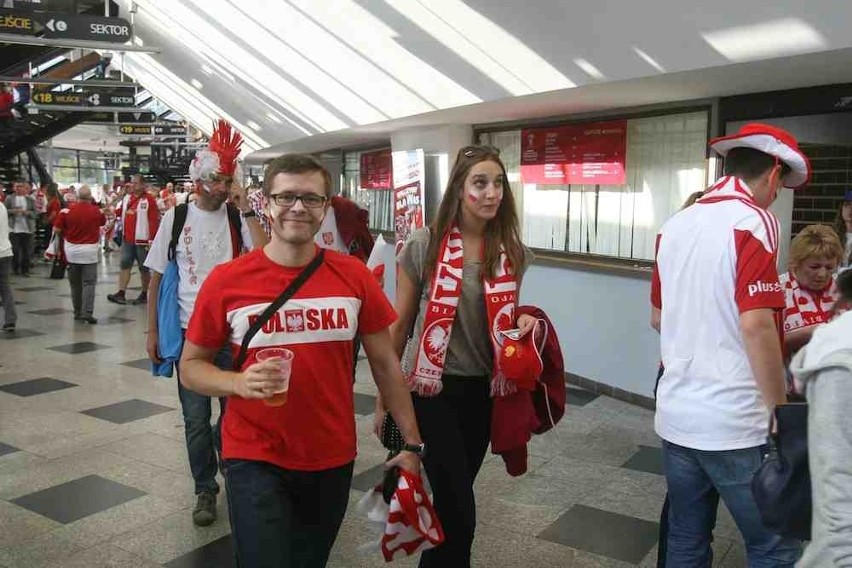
[203,441]
[696,479]
[282,518]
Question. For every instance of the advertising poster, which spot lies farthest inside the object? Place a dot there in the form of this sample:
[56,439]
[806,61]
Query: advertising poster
[590,153]
[408,181]
[408,211]
[377,170]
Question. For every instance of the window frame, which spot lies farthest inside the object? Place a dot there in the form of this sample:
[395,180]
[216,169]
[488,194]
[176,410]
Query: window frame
[593,262]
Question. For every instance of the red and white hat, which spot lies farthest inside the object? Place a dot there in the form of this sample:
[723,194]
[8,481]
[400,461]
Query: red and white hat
[773,141]
[219,159]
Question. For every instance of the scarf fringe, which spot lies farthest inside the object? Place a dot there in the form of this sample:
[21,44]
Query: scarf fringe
[501,386]
[425,387]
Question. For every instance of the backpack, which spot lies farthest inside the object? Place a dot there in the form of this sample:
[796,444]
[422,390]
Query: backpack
[234,221]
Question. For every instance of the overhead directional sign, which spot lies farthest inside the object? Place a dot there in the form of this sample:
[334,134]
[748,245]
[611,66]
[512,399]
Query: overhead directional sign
[123,117]
[85,98]
[17,22]
[57,25]
[169,130]
[135,129]
[82,26]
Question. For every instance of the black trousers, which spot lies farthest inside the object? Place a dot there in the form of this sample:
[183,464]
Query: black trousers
[282,518]
[456,427]
[21,253]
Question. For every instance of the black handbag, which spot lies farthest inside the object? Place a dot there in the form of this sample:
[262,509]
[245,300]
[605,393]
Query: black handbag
[391,436]
[782,484]
[57,270]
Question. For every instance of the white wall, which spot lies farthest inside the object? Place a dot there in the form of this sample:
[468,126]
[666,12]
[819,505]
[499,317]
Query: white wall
[602,322]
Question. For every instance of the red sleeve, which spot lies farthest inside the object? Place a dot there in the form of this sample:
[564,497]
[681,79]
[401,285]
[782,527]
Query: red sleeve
[656,292]
[208,324]
[377,313]
[757,278]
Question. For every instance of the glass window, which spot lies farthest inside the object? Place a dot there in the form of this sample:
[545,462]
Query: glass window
[379,202]
[665,162]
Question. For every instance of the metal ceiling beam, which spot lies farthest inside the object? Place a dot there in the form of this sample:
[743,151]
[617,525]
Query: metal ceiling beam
[75,44]
[88,83]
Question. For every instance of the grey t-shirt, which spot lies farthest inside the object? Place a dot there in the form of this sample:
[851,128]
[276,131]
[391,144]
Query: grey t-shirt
[469,353]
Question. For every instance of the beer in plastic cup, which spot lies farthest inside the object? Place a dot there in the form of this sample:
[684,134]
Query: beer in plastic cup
[284,357]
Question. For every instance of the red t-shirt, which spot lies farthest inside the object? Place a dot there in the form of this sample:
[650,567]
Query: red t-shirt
[315,428]
[82,223]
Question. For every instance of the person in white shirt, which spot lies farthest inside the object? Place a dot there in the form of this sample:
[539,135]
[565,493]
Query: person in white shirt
[22,217]
[10,315]
[717,304]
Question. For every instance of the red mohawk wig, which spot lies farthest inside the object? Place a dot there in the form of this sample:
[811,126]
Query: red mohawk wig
[226,143]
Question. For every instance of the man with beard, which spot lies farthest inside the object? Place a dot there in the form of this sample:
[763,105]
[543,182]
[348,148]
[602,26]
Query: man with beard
[211,234]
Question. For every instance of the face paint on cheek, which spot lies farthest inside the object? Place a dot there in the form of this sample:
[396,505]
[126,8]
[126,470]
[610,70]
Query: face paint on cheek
[473,197]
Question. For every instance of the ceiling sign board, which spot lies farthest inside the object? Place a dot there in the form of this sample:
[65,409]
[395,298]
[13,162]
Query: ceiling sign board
[91,98]
[168,130]
[123,117]
[82,26]
[50,98]
[590,153]
[135,129]
[17,22]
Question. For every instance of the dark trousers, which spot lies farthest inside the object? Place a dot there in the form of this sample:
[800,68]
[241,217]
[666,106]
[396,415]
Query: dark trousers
[21,243]
[456,427]
[83,278]
[11,316]
[282,518]
[203,441]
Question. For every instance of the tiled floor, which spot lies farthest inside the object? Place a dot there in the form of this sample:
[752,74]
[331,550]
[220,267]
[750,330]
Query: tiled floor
[93,468]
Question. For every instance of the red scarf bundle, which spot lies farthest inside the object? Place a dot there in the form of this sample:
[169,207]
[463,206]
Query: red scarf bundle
[501,297]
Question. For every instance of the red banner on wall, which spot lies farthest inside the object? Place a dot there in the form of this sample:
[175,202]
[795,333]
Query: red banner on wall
[590,153]
[376,170]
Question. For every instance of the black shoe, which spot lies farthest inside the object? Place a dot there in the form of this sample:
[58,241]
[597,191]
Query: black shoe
[142,299]
[117,298]
[78,317]
[9,328]
[89,320]
[204,513]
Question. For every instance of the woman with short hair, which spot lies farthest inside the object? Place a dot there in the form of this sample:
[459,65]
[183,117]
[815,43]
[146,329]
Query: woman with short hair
[808,285]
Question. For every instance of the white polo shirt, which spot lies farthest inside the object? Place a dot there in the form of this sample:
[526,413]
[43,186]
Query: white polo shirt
[715,260]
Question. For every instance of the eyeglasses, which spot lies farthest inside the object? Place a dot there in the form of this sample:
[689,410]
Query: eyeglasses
[309,200]
[477,150]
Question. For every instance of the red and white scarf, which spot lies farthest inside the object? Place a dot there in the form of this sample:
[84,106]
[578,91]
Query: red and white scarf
[501,298]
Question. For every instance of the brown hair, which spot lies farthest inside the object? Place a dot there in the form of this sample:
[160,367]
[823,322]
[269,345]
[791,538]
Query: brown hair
[818,241]
[294,164]
[840,224]
[693,197]
[501,231]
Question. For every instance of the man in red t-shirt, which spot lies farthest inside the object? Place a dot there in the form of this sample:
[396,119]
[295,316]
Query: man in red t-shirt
[140,219]
[289,464]
[80,227]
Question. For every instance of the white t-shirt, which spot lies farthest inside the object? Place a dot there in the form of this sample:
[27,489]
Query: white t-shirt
[328,237]
[20,224]
[715,260]
[205,243]
[5,243]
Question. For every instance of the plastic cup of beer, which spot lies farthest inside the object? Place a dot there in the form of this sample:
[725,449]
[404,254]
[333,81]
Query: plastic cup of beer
[284,358]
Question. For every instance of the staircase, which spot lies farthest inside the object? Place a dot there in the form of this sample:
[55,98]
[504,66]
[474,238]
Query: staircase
[820,201]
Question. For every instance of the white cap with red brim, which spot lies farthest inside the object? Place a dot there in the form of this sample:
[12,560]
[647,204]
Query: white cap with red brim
[773,141]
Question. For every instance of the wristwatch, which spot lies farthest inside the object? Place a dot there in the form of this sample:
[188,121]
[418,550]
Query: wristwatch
[419,449]
[249,213]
